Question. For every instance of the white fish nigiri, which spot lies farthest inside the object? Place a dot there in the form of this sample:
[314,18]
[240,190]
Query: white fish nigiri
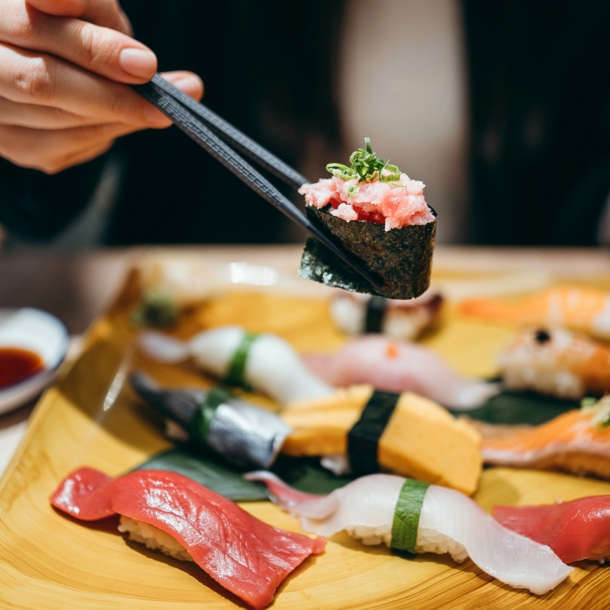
[396,366]
[269,363]
[357,314]
[449,522]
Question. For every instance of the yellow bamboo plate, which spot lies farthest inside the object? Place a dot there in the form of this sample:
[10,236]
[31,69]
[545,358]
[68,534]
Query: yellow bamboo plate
[50,562]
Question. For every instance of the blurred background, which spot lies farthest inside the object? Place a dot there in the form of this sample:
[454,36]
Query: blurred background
[502,108]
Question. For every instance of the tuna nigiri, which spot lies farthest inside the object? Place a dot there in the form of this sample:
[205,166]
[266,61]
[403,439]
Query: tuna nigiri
[396,366]
[579,308]
[575,530]
[556,362]
[420,518]
[176,515]
[265,362]
[577,441]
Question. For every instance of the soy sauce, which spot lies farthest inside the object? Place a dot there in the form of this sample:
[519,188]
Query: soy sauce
[17,364]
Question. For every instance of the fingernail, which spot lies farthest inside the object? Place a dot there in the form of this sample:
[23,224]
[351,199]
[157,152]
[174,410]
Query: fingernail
[138,62]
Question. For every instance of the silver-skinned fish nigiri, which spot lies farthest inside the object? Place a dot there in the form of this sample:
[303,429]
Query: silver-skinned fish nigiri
[244,434]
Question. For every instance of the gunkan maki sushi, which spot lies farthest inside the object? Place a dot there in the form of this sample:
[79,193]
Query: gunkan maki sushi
[380,215]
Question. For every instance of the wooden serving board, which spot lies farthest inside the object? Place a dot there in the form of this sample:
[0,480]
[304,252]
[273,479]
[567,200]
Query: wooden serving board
[50,562]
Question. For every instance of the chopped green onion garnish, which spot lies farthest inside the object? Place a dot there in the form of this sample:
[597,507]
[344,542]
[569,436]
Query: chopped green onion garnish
[366,166]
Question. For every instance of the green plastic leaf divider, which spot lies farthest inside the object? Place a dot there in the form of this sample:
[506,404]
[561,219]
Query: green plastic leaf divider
[406,515]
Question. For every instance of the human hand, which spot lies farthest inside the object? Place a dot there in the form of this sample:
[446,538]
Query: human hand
[65,67]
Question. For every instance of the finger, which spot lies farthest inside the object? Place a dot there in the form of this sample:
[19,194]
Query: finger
[52,150]
[28,78]
[40,117]
[188,82]
[101,50]
[105,13]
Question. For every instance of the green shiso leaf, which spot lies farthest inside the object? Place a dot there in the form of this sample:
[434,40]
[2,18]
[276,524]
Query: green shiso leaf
[305,474]
[406,515]
[521,408]
[218,477]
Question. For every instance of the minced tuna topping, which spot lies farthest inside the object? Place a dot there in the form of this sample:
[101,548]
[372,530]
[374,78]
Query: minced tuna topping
[371,190]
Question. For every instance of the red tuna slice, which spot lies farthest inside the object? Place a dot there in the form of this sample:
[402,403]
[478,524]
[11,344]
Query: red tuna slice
[83,495]
[246,556]
[575,530]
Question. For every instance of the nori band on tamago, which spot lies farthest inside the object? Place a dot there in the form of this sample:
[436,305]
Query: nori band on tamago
[402,258]
[363,438]
[375,312]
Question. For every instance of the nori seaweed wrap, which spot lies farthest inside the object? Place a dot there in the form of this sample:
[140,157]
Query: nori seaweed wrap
[397,250]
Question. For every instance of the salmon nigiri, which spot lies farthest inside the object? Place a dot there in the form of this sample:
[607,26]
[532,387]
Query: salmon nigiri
[579,308]
[575,530]
[184,519]
[577,441]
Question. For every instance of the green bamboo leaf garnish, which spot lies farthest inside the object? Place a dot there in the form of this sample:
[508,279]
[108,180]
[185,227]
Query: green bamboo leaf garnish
[365,166]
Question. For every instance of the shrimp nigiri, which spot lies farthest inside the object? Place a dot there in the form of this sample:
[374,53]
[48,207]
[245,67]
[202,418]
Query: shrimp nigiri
[577,441]
[556,362]
[579,308]
[265,362]
[395,366]
[575,530]
[420,518]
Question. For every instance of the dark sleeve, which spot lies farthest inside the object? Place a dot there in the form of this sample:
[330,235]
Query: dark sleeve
[36,206]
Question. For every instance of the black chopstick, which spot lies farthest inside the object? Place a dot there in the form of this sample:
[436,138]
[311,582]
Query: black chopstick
[233,136]
[163,98]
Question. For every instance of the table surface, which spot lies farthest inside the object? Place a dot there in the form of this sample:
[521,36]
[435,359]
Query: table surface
[77,287]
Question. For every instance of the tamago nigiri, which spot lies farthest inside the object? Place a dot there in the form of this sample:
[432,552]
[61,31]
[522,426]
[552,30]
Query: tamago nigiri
[419,518]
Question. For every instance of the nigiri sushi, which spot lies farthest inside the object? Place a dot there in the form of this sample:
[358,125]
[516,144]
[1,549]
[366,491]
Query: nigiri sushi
[379,215]
[557,362]
[265,362]
[183,519]
[577,441]
[244,434]
[357,314]
[395,366]
[364,431]
[412,516]
[575,530]
[579,308]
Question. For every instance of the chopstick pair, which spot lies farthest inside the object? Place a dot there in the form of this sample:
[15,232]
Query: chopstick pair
[207,129]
